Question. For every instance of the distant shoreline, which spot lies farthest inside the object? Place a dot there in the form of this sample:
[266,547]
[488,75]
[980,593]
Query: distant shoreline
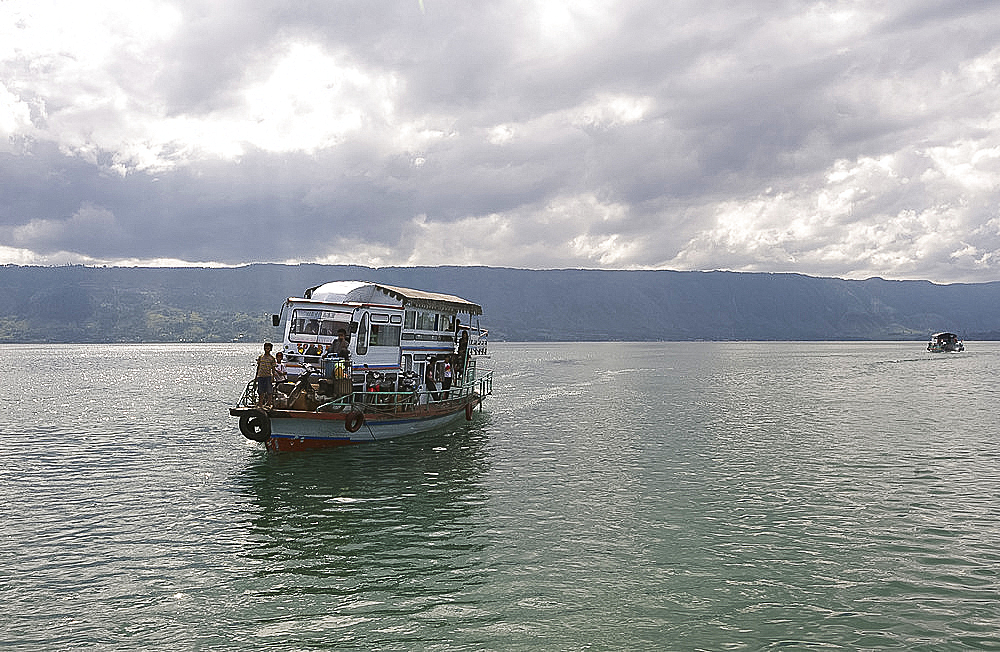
[258,342]
[79,305]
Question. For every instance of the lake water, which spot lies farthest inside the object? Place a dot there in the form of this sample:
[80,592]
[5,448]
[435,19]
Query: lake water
[612,496]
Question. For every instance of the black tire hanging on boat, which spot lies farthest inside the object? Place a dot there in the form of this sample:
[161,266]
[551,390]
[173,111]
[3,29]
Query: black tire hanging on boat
[256,426]
[354,421]
[468,411]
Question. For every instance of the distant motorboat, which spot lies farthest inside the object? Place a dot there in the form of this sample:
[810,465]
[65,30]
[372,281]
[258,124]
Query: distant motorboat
[945,343]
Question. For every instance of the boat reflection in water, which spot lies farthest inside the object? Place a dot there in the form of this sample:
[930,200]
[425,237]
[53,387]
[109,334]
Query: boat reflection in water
[363,539]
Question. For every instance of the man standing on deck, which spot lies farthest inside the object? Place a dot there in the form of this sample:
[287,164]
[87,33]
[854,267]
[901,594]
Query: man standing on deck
[341,347]
[265,374]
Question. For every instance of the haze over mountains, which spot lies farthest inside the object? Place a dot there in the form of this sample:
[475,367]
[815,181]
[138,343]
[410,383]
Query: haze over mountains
[114,304]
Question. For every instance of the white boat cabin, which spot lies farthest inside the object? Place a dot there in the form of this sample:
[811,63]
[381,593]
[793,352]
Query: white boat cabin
[391,331]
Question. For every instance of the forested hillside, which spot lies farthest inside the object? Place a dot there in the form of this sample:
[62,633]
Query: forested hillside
[86,304]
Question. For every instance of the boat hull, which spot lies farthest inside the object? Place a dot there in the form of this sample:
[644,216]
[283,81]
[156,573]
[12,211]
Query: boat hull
[294,430]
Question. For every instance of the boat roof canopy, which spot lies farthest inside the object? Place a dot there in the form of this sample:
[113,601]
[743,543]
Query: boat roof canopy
[367,292]
[939,336]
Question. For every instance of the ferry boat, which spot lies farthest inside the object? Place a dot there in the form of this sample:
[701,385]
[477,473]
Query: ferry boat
[366,362]
[945,343]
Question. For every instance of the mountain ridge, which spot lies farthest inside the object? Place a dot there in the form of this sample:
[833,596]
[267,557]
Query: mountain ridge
[196,304]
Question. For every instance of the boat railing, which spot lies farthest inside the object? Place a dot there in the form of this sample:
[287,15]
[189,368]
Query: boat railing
[486,384]
[479,384]
[249,397]
[478,343]
[414,400]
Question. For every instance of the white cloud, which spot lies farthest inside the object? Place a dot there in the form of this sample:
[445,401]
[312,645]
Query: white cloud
[67,60]
[86,226]
[15,115]
[869,218]
[611,111]
[565,231]
[312,100]
[565,27]
[501,134]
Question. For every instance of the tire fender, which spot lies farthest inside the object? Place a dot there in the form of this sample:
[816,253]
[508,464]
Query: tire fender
[354,421]
[256,426]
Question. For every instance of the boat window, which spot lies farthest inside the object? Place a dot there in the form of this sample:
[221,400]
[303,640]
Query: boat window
[305,325]
[362,347]
[427,321]
[395,319]
[383,335]
[379,318]
[317,325]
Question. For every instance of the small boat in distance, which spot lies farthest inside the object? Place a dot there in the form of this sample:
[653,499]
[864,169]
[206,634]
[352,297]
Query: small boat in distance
[365,362]
[945,343]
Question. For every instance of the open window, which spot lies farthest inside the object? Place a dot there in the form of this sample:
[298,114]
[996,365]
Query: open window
[362,343]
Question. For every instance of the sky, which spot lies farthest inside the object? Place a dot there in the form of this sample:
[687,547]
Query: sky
[845,138]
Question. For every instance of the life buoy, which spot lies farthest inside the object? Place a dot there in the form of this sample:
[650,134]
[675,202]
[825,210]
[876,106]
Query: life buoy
[354,421]
[468,411]
[256,426]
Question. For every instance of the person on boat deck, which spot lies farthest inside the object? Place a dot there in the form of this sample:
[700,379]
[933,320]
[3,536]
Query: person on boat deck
[341,347]
[280,371]
[429,380]
[265,375]
[463,348]
[446,377]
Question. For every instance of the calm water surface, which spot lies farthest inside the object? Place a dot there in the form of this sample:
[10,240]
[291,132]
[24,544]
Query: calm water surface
[664,496]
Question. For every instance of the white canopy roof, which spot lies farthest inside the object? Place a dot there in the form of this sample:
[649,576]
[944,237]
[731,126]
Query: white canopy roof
[367,292]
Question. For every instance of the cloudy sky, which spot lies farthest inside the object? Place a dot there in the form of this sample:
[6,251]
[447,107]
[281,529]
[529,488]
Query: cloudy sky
[841,138]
